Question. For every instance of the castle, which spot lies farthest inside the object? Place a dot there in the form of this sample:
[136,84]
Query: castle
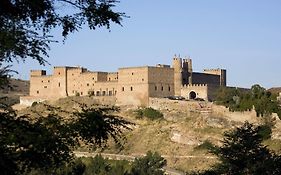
[130,85]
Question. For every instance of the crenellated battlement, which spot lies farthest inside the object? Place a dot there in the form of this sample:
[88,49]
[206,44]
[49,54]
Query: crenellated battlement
[194,85]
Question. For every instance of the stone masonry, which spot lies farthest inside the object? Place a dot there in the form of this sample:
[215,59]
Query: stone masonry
[128,86]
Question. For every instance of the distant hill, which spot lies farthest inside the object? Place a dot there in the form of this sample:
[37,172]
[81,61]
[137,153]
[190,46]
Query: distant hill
[13,91]
[275,90]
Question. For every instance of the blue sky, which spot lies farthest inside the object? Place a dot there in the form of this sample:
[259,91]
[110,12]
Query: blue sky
[242,36]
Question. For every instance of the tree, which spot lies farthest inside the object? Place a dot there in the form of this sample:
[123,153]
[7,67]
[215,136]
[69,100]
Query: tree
[242,152]
[47,143]
[98,166]
[264,102]
[151,164]
[25,25]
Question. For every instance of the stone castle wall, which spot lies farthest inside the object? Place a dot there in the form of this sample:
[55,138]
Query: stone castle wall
[130,86]
[202,78]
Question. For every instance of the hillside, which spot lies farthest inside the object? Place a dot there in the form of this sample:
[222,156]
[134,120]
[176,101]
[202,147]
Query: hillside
[14,90]
[275,90]
[186,125]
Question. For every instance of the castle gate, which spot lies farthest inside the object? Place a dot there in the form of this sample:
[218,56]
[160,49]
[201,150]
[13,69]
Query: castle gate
[192,95]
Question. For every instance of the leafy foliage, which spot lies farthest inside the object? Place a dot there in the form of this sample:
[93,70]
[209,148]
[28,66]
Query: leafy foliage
[98,166]
[151,164]
[242,152]
[25,25]
[149,113]
[103,125]
[237,100]
[76,167]
[48,142]
[101,166]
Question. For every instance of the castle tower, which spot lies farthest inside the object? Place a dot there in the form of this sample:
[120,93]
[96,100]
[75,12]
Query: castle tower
[177,65]
[187,71]
[60,81]
[222,77]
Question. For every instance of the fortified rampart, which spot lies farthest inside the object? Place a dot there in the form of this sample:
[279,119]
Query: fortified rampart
[129,86]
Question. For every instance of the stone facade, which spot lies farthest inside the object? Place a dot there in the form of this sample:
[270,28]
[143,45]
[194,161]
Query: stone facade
[128,86]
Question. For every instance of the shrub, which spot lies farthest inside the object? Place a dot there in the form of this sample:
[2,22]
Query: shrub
[151,164]
[265,131]
[149,113]
[205,145]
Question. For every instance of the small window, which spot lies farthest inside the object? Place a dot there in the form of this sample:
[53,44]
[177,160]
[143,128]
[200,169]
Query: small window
[155,88]
[132,73]
[93,84]
[131,88]
[48,81]
[142,79]
[45,87]
[109,79]
[37,92]
[162,88]
[123,89]
[169,88]
[59,84]
[110,93]
[93,78]
[72,74]
[115,92]
[98,93]
[81,93]
[103,93]
[59,73]
[42,81]
[88,84]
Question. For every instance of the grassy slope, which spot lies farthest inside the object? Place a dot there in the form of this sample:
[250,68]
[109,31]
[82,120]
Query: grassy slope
[156,135]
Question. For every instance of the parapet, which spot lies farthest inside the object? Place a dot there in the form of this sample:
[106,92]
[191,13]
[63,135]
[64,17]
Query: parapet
[37,73]
[195,85]
[186,60]
[163,65]
[217,71]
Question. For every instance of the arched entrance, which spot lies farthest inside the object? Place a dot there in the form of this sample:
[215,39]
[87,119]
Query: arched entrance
[192,95]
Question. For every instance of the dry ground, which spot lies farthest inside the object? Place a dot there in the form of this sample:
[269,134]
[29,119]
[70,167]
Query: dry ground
[175,137]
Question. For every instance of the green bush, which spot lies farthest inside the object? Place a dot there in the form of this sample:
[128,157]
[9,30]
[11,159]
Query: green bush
[149,113]
[264,102]
[206,145]
[265,131]
[151,164]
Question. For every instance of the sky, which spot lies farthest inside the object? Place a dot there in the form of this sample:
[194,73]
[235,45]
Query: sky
[241,36]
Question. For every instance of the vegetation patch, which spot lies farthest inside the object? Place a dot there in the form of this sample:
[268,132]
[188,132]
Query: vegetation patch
[264,102]
[149,113]
[206,145]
